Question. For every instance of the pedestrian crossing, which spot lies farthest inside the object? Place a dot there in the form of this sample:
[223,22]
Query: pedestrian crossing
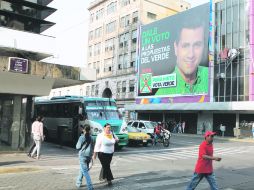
[179,154]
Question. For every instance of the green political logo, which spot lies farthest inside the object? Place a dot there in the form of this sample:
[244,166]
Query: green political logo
[145,82]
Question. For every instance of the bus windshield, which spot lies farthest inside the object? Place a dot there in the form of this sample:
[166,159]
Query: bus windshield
[96,115]
[112,114]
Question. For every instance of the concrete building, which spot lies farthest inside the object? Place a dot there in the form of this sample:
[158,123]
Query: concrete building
[113,39]
[231,90]
[22,73]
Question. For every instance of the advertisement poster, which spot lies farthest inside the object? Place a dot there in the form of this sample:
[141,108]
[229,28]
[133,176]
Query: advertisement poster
[173,55]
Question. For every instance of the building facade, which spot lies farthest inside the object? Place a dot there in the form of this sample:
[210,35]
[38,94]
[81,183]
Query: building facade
[229,101]
[112,43]
[22,73]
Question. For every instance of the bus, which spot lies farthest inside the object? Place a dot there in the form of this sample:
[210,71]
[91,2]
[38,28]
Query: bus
[64,115]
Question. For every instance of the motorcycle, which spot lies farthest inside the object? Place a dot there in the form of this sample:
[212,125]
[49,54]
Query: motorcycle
[164,138]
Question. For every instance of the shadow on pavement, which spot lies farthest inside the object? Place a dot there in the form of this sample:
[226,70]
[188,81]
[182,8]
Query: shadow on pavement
[12,162]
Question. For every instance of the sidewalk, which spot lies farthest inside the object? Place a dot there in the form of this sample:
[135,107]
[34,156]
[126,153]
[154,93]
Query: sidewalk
[235,139]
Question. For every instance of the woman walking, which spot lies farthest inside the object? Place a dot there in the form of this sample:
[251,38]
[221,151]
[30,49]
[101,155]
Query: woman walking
[104,147]
[85,147]
[37,131]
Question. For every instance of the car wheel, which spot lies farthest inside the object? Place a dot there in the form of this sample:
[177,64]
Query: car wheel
[145,144]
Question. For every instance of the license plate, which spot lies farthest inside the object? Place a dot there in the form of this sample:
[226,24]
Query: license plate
[144,140]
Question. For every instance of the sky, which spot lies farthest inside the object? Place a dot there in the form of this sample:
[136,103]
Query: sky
[71,31]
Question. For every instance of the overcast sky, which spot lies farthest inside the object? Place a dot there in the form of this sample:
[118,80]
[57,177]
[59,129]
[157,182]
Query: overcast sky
[71,30]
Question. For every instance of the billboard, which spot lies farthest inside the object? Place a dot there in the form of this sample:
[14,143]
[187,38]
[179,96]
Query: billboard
[173,55]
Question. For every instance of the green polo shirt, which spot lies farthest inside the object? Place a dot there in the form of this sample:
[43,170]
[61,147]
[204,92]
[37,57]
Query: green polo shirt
[182,88]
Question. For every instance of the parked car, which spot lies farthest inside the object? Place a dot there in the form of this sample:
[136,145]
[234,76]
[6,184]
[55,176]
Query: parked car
[137,137]
[142,126]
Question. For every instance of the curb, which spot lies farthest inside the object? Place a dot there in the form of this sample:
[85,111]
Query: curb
[234,139]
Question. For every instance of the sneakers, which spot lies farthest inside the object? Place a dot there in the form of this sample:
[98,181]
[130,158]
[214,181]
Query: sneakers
[78,185]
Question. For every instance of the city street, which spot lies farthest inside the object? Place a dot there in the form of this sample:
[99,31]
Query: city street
[133,167]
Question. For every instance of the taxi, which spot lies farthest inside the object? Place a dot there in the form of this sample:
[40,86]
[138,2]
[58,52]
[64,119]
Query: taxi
[137,137]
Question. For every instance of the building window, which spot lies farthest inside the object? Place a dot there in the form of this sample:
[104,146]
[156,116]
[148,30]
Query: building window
[90,35]
[111,8]
[125,21]
[87,90]
[108,63]
[124,38]
[124,86]
[133,59]
[99,14]
[124,2]
[118,87]
[120,62]
[110,27]
[92,90]
[91,17]
[90,51]
[131,85]
[134,37]
[98,67]
[151,15]
[125,61]
[97,90]
[109,45]
[135,17]
[97,32]
[97,49]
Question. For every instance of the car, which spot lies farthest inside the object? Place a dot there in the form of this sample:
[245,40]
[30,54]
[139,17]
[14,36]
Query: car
[137,137]
[142,126]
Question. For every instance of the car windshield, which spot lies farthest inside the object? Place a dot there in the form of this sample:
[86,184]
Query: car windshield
[149,125]
[132,129]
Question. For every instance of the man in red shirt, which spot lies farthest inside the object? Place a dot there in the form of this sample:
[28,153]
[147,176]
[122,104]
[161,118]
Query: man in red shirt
[204,165]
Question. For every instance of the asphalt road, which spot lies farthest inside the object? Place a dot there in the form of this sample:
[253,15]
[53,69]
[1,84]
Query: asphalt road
[152,167]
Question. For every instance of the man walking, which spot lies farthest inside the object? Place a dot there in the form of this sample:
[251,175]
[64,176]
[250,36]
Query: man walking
[204,166]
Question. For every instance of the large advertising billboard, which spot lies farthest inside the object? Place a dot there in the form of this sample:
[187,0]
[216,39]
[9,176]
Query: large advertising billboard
[173,55]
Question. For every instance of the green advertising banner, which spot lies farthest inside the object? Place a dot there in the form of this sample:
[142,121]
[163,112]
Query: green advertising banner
[173,55]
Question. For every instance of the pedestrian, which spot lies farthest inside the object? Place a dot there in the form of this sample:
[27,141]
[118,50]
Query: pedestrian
[183,126]
[85,146]
[104,147]
[32,145]
[204,165]
[37,132]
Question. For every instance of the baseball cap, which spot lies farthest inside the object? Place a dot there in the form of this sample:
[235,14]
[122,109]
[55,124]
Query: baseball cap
[209,133]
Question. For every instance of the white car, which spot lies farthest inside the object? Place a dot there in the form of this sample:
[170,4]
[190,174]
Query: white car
[142,126]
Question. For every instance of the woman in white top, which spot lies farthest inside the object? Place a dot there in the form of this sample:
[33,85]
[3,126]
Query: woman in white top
[104,147]
[37,131]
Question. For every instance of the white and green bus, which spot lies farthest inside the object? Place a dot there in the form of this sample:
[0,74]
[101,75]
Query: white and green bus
[64,115]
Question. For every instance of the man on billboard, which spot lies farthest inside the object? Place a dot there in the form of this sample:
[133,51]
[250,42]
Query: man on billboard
[191,77]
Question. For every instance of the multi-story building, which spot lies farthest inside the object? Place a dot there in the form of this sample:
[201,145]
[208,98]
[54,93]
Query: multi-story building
[112,43]
[229,99]
[22,74]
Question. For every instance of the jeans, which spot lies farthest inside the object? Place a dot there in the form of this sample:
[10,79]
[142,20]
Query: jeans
[198,177]
[37,148]
[83,172]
